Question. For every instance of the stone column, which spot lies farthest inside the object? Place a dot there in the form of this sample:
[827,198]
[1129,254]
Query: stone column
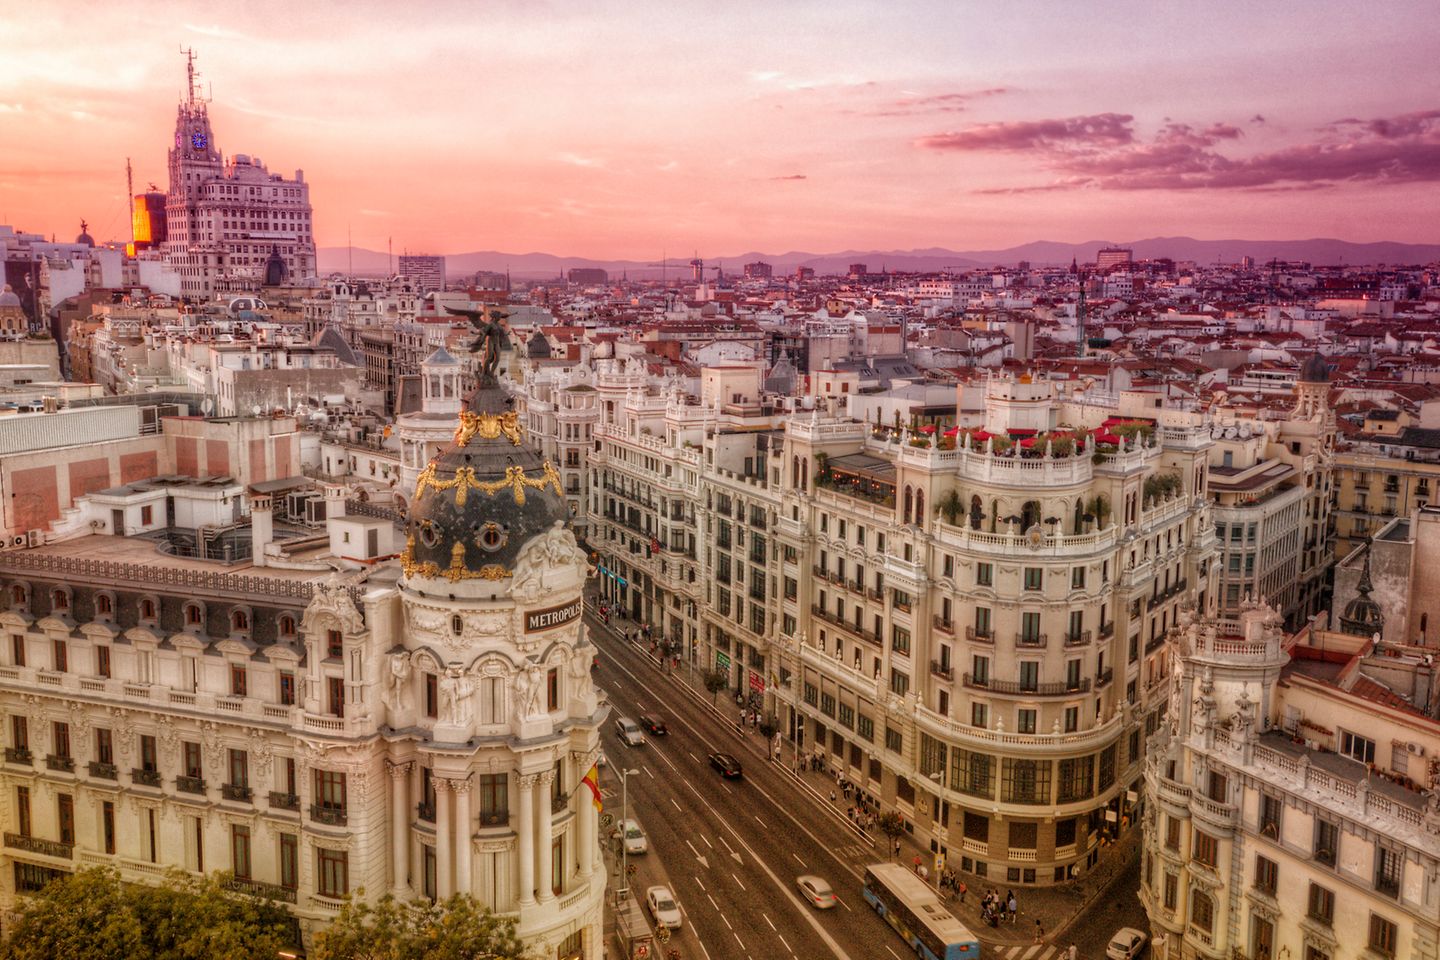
[525,831]
[400,829]
[588,823]
[542,838]
[464,830]
[443,834]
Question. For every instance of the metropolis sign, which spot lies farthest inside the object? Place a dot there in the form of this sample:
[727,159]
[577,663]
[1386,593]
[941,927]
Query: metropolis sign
[551,617]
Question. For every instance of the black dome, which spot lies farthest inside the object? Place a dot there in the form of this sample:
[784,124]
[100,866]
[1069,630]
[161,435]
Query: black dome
[480,500]
[1315,369]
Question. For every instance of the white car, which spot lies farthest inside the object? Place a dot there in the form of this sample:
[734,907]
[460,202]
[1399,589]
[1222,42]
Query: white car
[1127,944]
[663,907]
[632,836]
[816,891]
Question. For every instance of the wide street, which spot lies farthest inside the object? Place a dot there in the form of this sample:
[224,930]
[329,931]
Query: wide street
[731,850]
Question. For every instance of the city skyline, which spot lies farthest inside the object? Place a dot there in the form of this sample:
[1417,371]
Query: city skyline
[628,130]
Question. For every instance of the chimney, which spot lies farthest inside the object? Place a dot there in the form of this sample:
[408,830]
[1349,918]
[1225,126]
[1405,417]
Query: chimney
[262,526]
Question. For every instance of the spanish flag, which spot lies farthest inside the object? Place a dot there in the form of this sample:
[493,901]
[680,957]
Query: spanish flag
[592,780]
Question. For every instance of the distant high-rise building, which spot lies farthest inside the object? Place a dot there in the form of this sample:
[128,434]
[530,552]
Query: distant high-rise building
[584,275]
[804,273]
[1108,258]
[857,270]
[427,270]
[759,270]
[147,215]
[223,219]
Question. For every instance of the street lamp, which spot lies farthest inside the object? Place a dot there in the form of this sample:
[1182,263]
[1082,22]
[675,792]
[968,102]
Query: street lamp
[624,819]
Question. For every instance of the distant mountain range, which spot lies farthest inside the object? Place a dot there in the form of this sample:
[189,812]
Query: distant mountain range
[531,266]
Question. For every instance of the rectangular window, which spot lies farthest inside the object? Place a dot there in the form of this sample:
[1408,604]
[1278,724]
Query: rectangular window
[62,739]
[1355,747]
[17,649]
[1388,866]
[971,773]
[1072,719]
[899,682]
[432,695]
[19,732]
[239,768]
[1384,935]
[289,861]
[1076,779]
[1321,905]
[1025,781]
[334,644]
[1029,675]
[237,680]
[333,869]
[335,694]
[557,864]
[1172,891]
[330,790]
[287,688]
[1172,833]
[102,661]
[984,574]
[65,811]
[1034,578]
[979,715]
[22,810]
[107,825]
[494,799]
[147,753]
[1206,849]
[104,746]
[894,740]
[1025,720]
[847,716]
[1077,578]
[827,704]
[1270,808]
[193,766]
[61,655]
[865,728]
[1202,911]
[1327,841]
[552,689]
[240,851]
[1030,627]
[1267,875]
[900,640]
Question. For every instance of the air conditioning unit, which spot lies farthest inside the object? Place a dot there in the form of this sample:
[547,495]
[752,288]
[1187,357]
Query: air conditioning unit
[35,538]
[19,541]
[1415,748]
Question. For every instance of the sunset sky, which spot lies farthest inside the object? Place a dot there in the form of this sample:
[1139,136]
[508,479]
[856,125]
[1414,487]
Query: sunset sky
[621,129]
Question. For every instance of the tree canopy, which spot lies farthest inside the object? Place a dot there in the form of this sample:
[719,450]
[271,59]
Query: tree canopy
[460,928]
[93,915]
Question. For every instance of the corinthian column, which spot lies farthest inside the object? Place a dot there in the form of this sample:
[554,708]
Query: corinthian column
[443,838]
[588,823]
[400,829]
[463,832]
[525,831]
[543,829]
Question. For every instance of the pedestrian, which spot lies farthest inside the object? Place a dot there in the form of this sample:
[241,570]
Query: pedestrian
[1039,931]
[917,861]
[961,891]
[1012,906]
[832,796]
[897,847]
[1073,953]
[850,814]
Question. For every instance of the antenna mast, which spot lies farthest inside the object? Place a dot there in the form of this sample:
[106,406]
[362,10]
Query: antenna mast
[189,74]
[130,201]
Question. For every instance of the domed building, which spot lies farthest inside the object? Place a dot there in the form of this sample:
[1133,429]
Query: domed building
[13,321]
[493,715]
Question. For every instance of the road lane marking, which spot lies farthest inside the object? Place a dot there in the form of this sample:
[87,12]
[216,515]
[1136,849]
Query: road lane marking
[843,903]
[693,757]
[787,945]
[707,841]
[725,918]
[700,882]
[726,786]
[892,952]
[823,845]
[692,848]
[702,948]
[737,939]
[761,822]
[771,922]
[676,805]
[737,880]
[647,771]
[714,904]
[798,860]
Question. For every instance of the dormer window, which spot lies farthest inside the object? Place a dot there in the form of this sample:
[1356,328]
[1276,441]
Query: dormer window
[61,599]
[194,615]
[239,621]
[147,609]
[287,625]
[17,595]
[104,605]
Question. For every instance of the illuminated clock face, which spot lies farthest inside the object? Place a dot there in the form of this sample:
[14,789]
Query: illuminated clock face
[197,140]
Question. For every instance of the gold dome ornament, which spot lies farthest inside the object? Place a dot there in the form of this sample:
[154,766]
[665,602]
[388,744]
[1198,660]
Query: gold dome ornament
[465,480]
[489,426]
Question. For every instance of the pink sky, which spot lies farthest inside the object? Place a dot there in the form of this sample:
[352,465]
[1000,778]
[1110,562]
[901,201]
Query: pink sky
[624,129]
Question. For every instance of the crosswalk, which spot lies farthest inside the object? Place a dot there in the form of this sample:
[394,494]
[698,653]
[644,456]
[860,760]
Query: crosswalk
[855,851]
[1035,951]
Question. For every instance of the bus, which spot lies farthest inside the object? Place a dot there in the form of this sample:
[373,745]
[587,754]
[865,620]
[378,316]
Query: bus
[910,906]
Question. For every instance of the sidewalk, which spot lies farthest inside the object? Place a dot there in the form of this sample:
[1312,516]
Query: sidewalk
[1057,908]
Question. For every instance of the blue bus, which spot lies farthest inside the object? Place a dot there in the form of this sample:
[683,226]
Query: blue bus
[910,906]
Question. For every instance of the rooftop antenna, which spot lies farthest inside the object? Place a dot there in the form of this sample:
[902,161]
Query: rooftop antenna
[189,73]
[130,200]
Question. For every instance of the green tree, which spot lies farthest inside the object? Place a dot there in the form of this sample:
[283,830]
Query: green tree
[92,915]
[892,825]
[460,928]
[715,681]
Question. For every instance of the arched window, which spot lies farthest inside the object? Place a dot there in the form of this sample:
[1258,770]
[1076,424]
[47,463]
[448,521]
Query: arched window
[239,621]
[147,609]
[287,625]
[103,604]
[61,598]
[1029,514]
[17,593]
[194,616]
[909,504]
[920,508]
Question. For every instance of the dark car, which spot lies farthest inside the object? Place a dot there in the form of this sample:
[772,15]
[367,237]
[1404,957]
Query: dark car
[654,724]
[728,766]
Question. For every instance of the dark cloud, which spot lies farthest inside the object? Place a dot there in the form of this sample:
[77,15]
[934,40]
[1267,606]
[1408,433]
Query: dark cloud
[1258,118]
[954,102]
[1102,152]
[1092,132]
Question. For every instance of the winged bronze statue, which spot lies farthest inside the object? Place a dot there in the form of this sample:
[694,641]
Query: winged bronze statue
[491,337]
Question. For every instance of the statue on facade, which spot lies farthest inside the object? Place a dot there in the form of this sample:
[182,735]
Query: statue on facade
[1243,723]
[530,685]
[580,661]
[399,677]
[455,689]
[491,337]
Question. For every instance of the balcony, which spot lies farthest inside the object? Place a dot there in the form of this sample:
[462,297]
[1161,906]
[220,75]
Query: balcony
[330,816]
[190,784]
[425,811]
[978,635]
[1032,640]
[46,848]
[877,594]
[234,791]
[1104,677]
[258,888]
[943,625]
[105,771]
[62,764]
[18,755]
[145,778]
[1077,639]
[284,801]
[1107,630]
[559,804]
[944,670]
[494,818]
[1022,688]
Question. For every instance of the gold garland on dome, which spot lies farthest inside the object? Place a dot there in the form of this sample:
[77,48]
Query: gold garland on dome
[457,570]
[465,480]
[489,426]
